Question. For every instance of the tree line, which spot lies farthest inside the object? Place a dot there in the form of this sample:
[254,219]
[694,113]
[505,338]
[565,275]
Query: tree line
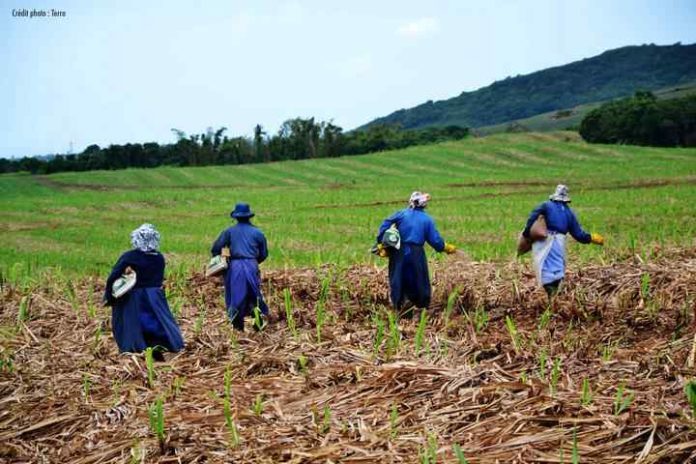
[297,138]
[643,120]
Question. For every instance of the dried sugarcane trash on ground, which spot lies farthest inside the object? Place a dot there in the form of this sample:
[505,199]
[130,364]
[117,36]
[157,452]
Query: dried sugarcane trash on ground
[601,378]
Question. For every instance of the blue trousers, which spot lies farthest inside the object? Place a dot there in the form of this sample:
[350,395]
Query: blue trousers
[243,291]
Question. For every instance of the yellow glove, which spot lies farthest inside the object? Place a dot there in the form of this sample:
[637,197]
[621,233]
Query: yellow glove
[597,239]
[381,251]
[449,248]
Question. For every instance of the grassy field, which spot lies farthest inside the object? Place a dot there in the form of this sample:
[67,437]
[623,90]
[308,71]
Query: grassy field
[328,210]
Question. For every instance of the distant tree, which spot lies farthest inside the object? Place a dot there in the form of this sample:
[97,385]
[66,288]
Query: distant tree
[6,165]
[217,138]
[642,120]
[152,155]
[259,146]
[332,140]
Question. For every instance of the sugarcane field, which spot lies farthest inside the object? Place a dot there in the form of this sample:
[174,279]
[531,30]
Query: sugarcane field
[292,231]
[490,372]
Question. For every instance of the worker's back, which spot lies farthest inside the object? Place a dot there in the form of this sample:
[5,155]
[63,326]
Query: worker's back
[247,242]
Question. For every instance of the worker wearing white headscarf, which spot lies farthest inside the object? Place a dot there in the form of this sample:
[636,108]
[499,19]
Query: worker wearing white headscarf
[141,318]
[409,279]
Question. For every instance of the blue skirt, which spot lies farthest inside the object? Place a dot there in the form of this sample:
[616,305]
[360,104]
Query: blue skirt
[142,319]
[243,290]
[408,276]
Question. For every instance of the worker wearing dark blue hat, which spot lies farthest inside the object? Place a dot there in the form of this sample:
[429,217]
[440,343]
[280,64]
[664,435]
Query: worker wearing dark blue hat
[248,249]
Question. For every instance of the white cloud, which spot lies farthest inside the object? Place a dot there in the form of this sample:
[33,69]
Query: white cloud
[419,27]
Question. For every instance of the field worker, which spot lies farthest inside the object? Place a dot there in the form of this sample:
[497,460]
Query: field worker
[409,280]
[248,249]
[549,254]
[141,318]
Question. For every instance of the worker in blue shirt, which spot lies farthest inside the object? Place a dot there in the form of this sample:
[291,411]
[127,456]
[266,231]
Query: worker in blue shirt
[549,254]
[409,280]
[247,248]
[141,318]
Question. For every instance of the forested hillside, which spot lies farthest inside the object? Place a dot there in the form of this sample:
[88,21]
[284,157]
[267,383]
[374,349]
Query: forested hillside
[615,73]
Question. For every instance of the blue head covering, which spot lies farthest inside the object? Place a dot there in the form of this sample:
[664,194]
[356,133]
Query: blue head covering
[145,238]
[241,211]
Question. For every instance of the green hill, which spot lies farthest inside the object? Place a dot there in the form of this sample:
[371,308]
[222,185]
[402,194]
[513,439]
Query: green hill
[615,73]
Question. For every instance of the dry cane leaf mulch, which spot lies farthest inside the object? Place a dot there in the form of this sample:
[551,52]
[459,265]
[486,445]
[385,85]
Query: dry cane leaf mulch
[600,376]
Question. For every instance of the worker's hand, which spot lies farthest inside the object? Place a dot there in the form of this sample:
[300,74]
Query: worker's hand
[381,251]
[597,239]
[225,252]
[449,248]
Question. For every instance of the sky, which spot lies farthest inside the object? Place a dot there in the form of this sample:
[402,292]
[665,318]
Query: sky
[113,72]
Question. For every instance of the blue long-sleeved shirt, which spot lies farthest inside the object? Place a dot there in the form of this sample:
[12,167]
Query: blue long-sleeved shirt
[245,242]
[149,268]
[559,218]
[415,227]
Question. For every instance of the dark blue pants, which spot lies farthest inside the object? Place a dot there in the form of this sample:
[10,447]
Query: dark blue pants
[408,276]
[243,291]
[142,319]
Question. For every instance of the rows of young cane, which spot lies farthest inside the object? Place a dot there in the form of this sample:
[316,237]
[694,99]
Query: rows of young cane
[458,352]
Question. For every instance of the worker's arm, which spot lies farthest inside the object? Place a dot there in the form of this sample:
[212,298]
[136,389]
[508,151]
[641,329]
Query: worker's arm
[116,272]
[576,230]
[393,219]
[263,248]
[222,241]
[433,237]
[536,212]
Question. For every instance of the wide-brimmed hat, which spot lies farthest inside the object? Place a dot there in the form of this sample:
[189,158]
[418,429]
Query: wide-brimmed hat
[561,194]
[242,210]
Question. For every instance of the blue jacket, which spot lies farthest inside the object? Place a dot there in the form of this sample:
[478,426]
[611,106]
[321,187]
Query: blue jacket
[245,242]
[415,227]
[559,218]
[149,268]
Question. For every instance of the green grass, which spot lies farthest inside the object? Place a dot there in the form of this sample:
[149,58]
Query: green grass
[328,210]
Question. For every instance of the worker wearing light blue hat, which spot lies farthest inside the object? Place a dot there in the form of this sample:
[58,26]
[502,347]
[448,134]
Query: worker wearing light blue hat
[549,253]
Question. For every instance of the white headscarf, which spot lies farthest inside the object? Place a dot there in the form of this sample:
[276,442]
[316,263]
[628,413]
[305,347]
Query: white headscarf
[145,238]
[561,194]
[418,200]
